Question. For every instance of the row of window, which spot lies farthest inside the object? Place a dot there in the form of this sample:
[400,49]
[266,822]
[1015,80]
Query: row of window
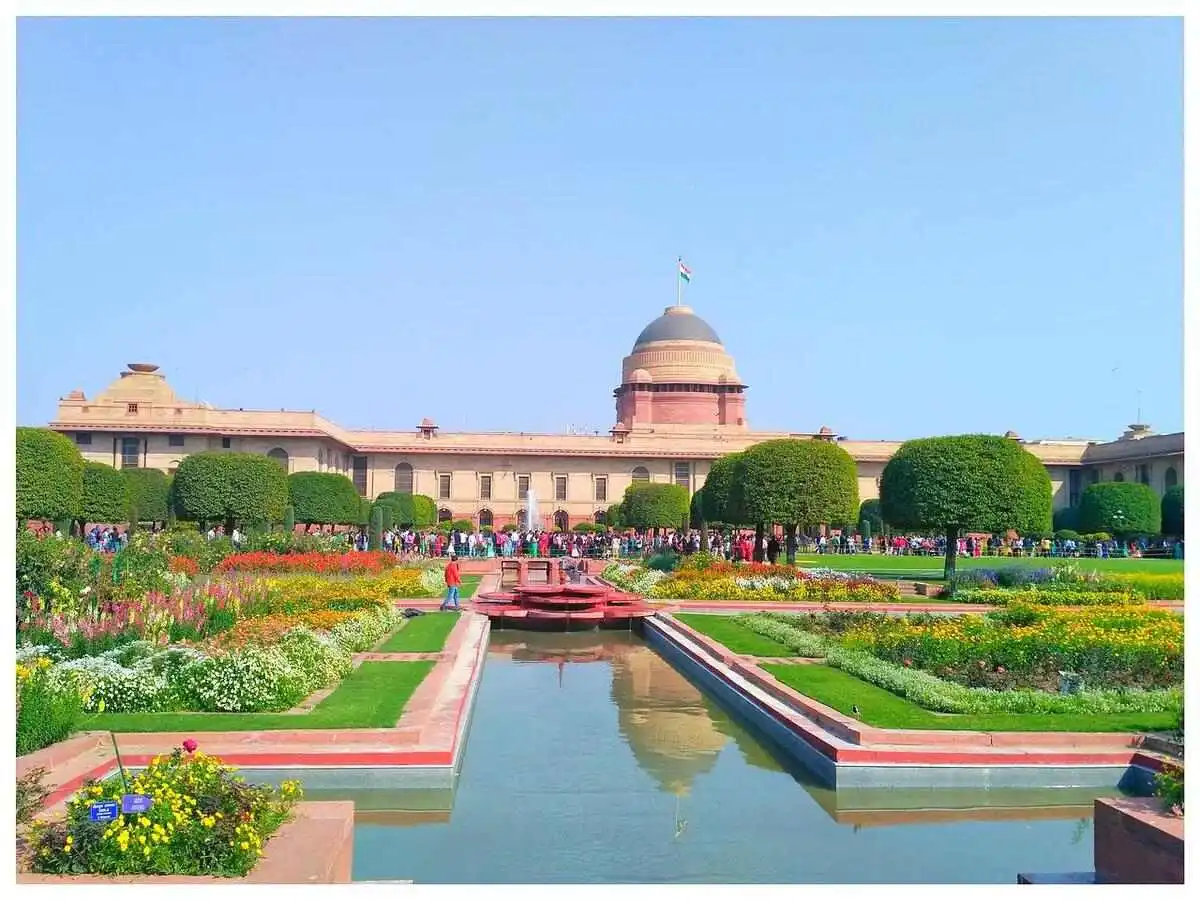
[404,485]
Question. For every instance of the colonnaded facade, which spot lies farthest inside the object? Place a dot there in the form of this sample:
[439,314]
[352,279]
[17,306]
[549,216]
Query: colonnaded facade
[679,406]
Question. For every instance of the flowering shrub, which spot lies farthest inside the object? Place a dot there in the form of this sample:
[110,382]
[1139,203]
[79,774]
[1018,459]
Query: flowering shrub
[1168,787]
[1028,646]
[352,563]
[1040,596]
[632,578]
[1160,586]
[301,593]
[802,643]
[184,565]
[250,679]
[203,820]
[270,629]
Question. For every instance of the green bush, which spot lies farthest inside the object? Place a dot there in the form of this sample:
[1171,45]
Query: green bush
[105,495]
[149,493]
[1172,511]
[649,505]
[375,540]
[45,715]
[613,517]
[323,498]
[1066,534]
[663,561]
[1122,507]
[1045,595]
[464,525]
[57,571]
[802,643]
[1066,518]
[49,476]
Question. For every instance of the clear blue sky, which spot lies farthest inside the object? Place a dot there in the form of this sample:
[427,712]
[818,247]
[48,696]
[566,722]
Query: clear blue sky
[471,220]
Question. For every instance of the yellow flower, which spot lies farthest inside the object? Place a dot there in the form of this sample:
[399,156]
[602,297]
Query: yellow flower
[100,707]
[245,846]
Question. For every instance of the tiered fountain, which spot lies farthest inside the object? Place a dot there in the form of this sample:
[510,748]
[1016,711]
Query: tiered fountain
[558,604]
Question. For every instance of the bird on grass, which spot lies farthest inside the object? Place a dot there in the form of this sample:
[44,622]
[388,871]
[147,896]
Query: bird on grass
[854,711]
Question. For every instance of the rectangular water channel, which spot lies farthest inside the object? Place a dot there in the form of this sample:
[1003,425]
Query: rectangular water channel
[592,760]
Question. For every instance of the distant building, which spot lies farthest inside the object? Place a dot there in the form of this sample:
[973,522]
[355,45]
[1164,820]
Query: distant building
[679,406]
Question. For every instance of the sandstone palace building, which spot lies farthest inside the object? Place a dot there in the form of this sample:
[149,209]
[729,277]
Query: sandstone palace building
[680,405]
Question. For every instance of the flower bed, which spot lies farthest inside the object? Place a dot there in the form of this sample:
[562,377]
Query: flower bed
[752,582]
[1059,595]
[941,695]
[1159,586]
[352,563]
[203,820]
[1025,646]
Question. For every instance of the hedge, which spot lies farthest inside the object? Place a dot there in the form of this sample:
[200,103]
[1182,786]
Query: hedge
[230,487]
[1172,511]
[409,510]
[1121,507]
[49,476]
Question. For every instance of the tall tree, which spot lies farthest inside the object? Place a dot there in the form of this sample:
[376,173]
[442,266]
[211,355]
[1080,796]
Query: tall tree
[795,483]
[49,476]
[973,482]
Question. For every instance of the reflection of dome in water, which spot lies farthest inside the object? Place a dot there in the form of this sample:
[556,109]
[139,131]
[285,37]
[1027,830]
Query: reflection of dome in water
[664,719]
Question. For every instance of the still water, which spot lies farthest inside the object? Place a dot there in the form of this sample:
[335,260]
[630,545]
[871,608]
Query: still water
[591,759]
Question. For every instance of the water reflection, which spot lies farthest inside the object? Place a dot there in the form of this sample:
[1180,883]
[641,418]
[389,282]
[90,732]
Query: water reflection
[592,760]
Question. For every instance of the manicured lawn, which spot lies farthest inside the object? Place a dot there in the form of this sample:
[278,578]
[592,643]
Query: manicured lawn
[883,709]
[372,696]
[929,568]
[732,635]
[421,634]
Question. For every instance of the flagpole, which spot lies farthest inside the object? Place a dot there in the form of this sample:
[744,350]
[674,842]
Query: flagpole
[679,282]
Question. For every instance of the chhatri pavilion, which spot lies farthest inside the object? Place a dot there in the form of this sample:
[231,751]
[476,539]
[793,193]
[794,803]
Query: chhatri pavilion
[679,405]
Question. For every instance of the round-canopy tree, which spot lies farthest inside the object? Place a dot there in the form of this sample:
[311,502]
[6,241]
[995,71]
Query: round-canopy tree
[1122,508]
[323,498]
[974,482]
[718,490]
[105,495]
[794,483]
[612,516]
[1172,511]
[230,488]
[149,493]
[648,505]
[49,476]
[408,510]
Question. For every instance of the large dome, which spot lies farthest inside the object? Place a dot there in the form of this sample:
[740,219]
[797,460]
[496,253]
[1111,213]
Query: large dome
[677,323]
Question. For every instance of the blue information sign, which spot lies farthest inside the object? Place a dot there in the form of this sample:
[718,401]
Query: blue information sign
[104,811]
[136,803]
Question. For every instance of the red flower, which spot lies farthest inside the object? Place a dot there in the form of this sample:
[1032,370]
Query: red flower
[190,745]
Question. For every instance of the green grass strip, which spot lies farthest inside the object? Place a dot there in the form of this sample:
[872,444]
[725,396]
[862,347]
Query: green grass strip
[883,709]
[421,634]
[737,638]
[371,696]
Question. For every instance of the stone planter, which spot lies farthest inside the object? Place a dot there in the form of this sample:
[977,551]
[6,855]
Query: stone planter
[316,847]
[1137,843]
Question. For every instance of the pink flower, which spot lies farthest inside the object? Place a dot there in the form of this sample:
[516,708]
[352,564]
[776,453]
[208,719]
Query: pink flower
[1000,670]
[190,745]
[908,662]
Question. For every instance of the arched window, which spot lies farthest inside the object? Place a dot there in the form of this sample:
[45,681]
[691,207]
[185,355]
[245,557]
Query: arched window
[280,456]
[1170,478]
[519,519]
[600,518]
[404,479]
[1120,476]
[561,520]
[444,515]
[641,474]
[485,518]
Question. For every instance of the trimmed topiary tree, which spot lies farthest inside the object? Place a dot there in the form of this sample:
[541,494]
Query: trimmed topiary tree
[870,518]
[795,483]
[289,519]
[230,488]
[973,482]
[648,505]
[49,476]
[409,510]
[1066,518]
[1172,511]
[718,490]
[323,498]
[1122,508]
[375,538]
[105,496]
[613,517]
[149,492]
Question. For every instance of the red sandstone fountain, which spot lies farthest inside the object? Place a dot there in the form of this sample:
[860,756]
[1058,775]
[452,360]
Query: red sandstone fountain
[558,604]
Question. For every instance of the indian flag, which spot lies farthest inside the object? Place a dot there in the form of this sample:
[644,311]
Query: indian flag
[684,272]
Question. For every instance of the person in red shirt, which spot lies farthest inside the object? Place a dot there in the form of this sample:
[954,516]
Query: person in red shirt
[453,581]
